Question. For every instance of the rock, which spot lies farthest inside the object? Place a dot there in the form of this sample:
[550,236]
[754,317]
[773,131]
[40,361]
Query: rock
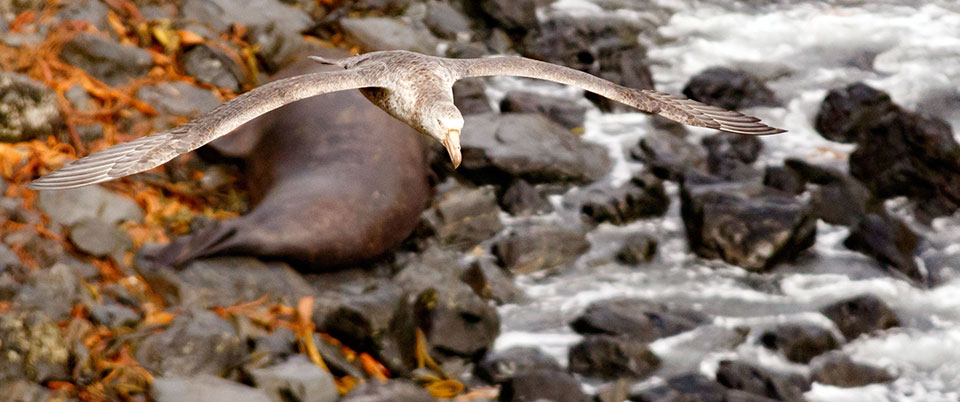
[279,45]
[530,147]
[297,378]
[759,381]
[53,292]
[745,224]
[668,156]
[846,111]
[635,319]
[211,65]
[9,261]
[890,242]
[784,179]
[387,391]
[271,349]
[491,282]
[114,316]
[729,156]
[539,385]
[91,11]
[466,217]
[610,358]
[636,249]
[500,367]
[69,207]
[99,238]
[516,17]
[799,343]
[221,14]
[380,33]
[729,89]
[688,387]
[642,197]
[23,390]
[446,22]
[108,61]
[521,198]
[860,315]
[836,197]
[226,281]
[536,247]
[28,109]
[32,347]
[178,98]
[470,96]
[80,99]
[839,370]
[203,388]
[565,112]
[196,342]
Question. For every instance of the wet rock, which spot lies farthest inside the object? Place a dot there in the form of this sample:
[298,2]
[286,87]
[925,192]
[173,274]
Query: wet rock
[28,109]
[521,198]
[491,282]
[32,347]
[839,370]
[688,387]
[538,385]
[387,391]
[465,217]
[203,388]
[729,156]
[297,378]
[565,112]
[52,292]
[221,14]
[784,179]
[92,11]
[114,316]
[759,381]
[890,242]
[836,197]
[610,358]
[446,22]
[470,96]
[69,207]
[498,147]
[23,390]
[196,342]
[642,197]
[178,98]
[799,343]
[500,367]
[99,238]
[211,65]
[637,249]
[226,281]
[860,315]
[668,156]
[729,89]
[846,111]
[380,33]
[535,247]
[745,224]
[635,319]
[108,61]
[515,16]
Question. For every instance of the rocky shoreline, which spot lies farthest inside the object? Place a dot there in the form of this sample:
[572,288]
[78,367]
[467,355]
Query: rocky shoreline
[85,316]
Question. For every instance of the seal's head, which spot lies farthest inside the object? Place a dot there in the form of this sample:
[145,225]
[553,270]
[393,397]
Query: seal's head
[444,125]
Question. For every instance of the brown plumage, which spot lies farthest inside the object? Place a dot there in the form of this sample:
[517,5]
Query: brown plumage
[412,87]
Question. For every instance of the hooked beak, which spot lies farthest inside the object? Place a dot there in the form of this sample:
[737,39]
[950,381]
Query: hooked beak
[452,143]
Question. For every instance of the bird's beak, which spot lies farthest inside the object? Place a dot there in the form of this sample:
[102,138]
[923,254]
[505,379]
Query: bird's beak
[452,143]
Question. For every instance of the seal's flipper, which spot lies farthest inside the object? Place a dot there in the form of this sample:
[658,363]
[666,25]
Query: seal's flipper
[204,243]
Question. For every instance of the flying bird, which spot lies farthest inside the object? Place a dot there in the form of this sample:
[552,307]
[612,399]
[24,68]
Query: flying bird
[417,89]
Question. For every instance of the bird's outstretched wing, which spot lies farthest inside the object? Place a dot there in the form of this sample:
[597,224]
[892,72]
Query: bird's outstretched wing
[673,107]
[154,150]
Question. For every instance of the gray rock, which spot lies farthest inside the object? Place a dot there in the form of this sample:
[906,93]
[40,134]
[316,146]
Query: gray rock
[513,15]
[196,342]
[92,11]
[27,109]
[839,370]
[204,388]
[729,156]
[220,14]
[278,44]
[178,98]
[837,198]
[80,99]
[641,197]
[446,22]
[51,291]
[114,316]
[69,207]
[466,217]
[388,391]
[470,96]
[860,315]
[610,358]
[763,382]
[226,281]
[380,33]
[23,390]
[799,343]
[297,378]
[108,61]
[99,238]
[565,112]
[32,347]
[531,248]
[521,198]
[209,64]
[668,155]
[542,385]
[491,282]
[8,259]
[529,146]
[891,242]
[500,367]
[637,319]
[687,387]
[637,249]
[729,89]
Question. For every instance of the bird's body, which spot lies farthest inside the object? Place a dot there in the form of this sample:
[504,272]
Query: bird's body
[414,88]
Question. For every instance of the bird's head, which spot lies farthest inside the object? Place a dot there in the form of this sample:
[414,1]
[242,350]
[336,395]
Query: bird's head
[445,126]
